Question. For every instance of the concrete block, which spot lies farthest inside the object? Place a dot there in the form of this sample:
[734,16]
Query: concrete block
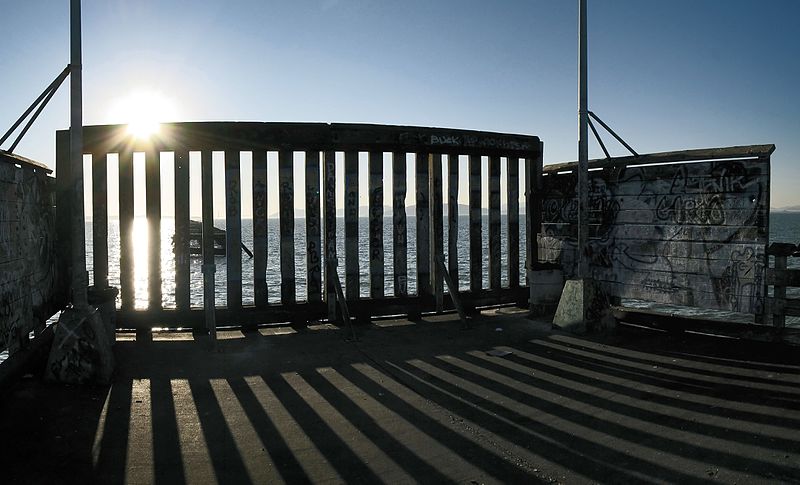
[571,312]
[81,351]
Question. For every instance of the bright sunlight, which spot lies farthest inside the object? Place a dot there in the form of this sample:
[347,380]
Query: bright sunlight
[143,111]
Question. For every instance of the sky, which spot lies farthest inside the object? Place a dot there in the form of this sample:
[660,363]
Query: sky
[666,75]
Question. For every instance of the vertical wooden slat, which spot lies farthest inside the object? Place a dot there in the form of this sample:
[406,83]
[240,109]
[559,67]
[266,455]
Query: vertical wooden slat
[533,209]
[452,219]
[475,243]
[494,222]
[513,221]
[399,229]
[63,213]
[260,228]
[352,287]
[100,220]
[127,289]
[779,295]
[209,266]
[313,230]
[329,174]
[423,226]
[286,208]
[376,225]
[437,222]
[152,164]
[181,241]
[233,229]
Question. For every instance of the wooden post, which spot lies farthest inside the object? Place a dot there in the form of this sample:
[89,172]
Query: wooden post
[437,242]
[533,209]
[452,219]
[352,287]
[399,228]
[100,220]
[153,210]
[209,266]
[423,226]
[181,241]
[286,208]
[329,175]
[126,282]
[376,259]
[64,198]
[233,229]
[513,221]
[313,229]
[475,242]
[260,228]
[779,316]
[494,222]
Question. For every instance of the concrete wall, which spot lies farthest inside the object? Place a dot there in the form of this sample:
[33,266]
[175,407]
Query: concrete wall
[691,233]
[27,249]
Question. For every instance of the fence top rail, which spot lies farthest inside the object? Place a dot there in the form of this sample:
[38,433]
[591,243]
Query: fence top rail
[248,136]
[11,158]
[702,154]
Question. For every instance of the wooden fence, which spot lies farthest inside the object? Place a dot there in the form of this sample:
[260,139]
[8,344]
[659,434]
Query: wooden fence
[320,143]
[780,277]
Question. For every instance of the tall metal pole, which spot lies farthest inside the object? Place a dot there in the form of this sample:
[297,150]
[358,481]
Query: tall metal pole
[80,279]
[583,146]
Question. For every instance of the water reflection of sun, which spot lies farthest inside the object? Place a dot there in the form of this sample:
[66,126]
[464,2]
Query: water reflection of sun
[143,111]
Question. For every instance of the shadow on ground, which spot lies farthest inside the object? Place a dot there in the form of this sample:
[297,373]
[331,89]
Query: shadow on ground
[417,402]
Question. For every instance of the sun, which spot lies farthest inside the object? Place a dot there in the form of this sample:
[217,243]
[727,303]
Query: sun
[143,111]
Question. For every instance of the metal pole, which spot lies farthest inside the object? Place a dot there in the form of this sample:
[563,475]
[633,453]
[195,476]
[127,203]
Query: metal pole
[583,147]
[79,277]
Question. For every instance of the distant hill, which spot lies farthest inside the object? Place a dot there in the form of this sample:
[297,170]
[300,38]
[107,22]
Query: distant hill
[363,211]
[788,208]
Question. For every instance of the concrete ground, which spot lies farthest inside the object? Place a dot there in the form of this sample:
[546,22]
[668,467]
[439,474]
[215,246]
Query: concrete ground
[416,402]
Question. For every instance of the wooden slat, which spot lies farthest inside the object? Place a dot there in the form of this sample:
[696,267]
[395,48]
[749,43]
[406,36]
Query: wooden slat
[64,195]
[260,228]
[779,318]
[153,210]
[352,286]
[209,266]
[181,241]
[376,258]
[475,242]
[233,228]
[437,216]
[513,222]
[286,208]
[399,229]
[100,219]
[313,228]
[494,223]
[423,226]
[329,175]
[533,209]
[452,220]
[127,288]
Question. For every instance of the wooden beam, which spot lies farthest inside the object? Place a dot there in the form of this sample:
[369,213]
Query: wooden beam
[352,283]
[513,221]
[286,208]
[376,259]
[152,164]
[209,266]
[181,241]
[100,219]
[260,240]
[475,236]
[233,228]
[399,228]
[423,226]
[452,219]
[437,216]
[329,175]
[313,228]
[126,249]
[494,223]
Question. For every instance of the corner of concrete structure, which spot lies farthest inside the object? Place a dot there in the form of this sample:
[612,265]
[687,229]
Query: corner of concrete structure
[81,351]
[571,312]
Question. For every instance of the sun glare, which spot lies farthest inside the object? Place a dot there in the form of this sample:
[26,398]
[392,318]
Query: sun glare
[143,111]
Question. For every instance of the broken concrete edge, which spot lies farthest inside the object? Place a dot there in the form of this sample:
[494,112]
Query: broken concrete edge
[81,350]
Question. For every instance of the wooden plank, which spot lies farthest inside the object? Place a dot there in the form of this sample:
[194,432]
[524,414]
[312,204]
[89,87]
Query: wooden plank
[423,226]
[779,293]
[664,232]
[63,209]
[181,241]
[352,283]
[399,228]
[313,228]
[329,174]
[126,250]
[452,220]
[209,265]
[260,241]
[475,236]
[783,277]
[286,209]
[376,258]
[233,228]
[513,221]
[437,242]
[533,209]
[494,223]
[100,219]
[153,210]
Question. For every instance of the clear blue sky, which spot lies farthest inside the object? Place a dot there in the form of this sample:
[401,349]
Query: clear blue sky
[665,74]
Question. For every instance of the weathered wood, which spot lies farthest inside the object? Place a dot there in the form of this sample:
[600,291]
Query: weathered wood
[437,241]
[181,240]
[152,170]
[513,221]
[779,293]
[329,175]
[63,201]
[399,229]
[313,229]
[376,225]
[452,289]
[352,283]
[452,219]
[233,229]
[494,223]
[475,236]
[260,241]
[423,225]
[286,209]
[127,286]
[100,219]
[663,232]
[209,266]
[533,208]
[783,277]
